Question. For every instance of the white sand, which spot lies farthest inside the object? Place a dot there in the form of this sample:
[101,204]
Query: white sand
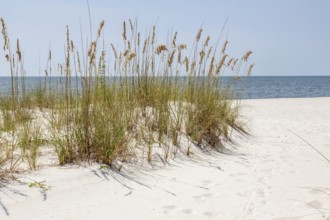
[272,174]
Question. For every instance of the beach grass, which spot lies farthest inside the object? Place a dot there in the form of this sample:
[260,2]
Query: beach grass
[102,109]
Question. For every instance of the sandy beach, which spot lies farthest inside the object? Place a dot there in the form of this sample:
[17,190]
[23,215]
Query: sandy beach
[279,171]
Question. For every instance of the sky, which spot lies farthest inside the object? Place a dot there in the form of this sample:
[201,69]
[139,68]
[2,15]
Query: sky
[287,37]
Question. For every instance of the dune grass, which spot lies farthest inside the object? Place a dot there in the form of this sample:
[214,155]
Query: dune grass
[101,109]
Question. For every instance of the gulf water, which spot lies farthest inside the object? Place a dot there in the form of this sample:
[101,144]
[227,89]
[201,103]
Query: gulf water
[254,87]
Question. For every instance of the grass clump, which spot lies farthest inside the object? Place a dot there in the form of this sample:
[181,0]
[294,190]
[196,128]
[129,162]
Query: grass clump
[148,94]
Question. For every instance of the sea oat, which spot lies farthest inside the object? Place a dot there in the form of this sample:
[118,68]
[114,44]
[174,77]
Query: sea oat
[192,66]
[246,55]
[18,51]
[207,41]
[145,46]
[153,34]
[5,35]
[67,64]
[68,37]
[186,62]
[138,39]
[224,47]
[171,57]
[174,39]
[209,52]
[201,55]
[161,48]
[128,45]
[211,66]
[179,57]
[230,61]
[220,64]
[126,52]
[100,28]
[92,52]
[132,55]
[114,51]
[78,59]
[234,64]
[124,31]
[182,47]
[131,25]
[250,69]
[199,34]
[72,46]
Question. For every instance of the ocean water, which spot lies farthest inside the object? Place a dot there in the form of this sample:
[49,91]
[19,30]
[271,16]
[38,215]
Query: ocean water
[254,87]
[260,87]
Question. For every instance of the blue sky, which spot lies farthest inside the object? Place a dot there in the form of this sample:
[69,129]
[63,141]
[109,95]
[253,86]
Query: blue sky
[288,37]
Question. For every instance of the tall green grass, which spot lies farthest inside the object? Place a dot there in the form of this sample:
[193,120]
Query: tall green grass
[103,109]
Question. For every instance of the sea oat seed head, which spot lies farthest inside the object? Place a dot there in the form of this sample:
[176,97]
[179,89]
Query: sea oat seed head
[129,45]
[201,54]
[170,59]
[224,47]
[79,65]
[153,34]
[131,25]
[192,66]
[230,61]
[246,55]
[145,46]
[72,46]
[220,64]
[4,34]
[138,40]
[18,51]
[92,52]
[209,52]
[207,41]
[126,53]
[124,31]
[179,57]
[250,69]
[114,51]
[132,56]
[234,64]
[161,48]
[174,39]
[211,65]
[199,34]
[100,28]
[182,47]
[186,61]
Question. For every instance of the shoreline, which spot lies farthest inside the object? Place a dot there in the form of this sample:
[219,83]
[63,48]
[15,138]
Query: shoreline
[269,174]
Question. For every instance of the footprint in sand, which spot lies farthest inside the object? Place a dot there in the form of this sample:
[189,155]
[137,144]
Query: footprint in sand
[315,191]
[315,204]
[261,193]
[202,198]
[206,182]
[188,211]
[169,209]
[210,214]
[237,174]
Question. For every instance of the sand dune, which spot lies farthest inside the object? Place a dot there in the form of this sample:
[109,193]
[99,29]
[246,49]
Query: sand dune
[272,174]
